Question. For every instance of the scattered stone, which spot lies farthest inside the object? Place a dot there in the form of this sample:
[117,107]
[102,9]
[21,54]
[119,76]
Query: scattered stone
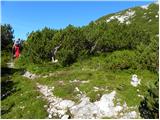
[128,22]
[45,106]
[64,104]
[141,96]
[125,105]
[150,20]
[85,81]
[118,108]
[61,82]
[49,116]
[100,89]
[58,108]
[10,65]
[121,114]
[65,117]
[76,89]
[130,115]
[96,89]
[45,76]
[61,112]
[38,97]
[30,75]
[135,81]
[78,81]
[51,74]
[22,107]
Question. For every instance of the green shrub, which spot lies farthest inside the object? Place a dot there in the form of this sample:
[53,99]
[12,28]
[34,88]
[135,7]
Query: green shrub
[6,37]
[5,57]
[120,60]
[73,45]
[149,107]
[67,57]
[148,55]
[23,61]
[38,45]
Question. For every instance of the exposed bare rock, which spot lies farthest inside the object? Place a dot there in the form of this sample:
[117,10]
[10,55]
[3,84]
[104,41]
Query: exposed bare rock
[31,75]
[79,81]
[135,81]
[59,108]
[10,65]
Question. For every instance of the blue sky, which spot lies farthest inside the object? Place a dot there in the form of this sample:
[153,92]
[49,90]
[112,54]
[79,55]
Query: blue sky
[28,16]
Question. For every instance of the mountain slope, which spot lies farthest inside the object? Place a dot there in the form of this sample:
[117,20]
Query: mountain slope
[146,16]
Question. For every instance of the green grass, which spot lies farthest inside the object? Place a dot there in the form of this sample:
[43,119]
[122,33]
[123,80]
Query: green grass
[99,77]
[92,70]
[24,102]
[5,57]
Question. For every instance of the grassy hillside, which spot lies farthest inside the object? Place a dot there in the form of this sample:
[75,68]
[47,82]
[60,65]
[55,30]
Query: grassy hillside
[97,58]
[146,16]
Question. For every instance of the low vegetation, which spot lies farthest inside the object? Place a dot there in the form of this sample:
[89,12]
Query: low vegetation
[99,55]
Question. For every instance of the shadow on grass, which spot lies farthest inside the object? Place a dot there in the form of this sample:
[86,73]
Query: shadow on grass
[5,109]
[5,71]
[147,113]
[149,106]
[8,86]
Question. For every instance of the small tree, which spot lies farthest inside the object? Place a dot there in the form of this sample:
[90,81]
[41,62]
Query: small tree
[149,107]
[6,37]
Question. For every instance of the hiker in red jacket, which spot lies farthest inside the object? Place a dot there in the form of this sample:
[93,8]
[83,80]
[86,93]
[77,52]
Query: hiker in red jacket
[16,48]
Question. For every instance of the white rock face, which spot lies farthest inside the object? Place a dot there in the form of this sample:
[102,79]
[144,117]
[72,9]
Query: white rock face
[135,81]
[118,108]
[106,105]
[103,107]
[84,110]
[64,104]
[57,107]
[122,18]
[145,6]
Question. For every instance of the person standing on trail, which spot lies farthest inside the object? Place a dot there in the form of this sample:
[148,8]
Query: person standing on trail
[16,48]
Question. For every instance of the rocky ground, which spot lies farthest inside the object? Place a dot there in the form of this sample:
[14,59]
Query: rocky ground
[84,109]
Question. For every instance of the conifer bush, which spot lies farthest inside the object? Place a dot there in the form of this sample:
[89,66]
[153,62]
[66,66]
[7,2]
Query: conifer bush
[120,60]
[149,107]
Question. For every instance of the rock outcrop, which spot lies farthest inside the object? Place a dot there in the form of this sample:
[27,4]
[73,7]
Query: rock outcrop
[64,109]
